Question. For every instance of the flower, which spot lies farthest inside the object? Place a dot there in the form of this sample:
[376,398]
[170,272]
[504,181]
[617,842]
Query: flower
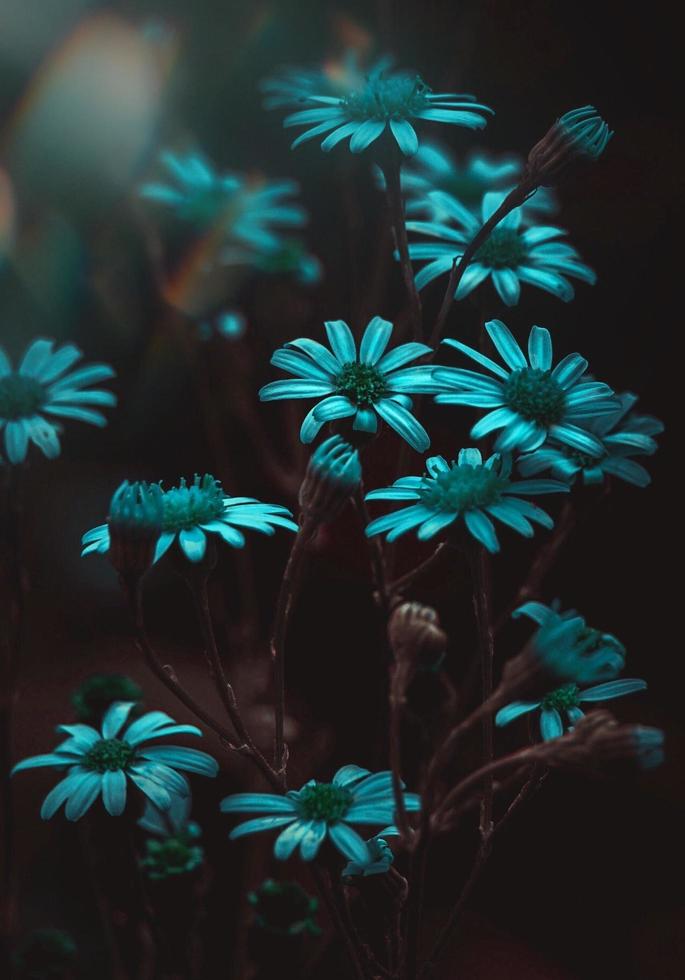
[567,699]
[580,135]
[101,762]
[178,851]
[512,254]
[250,212]
[294,85]
[468,489]
[135,523]
[95,694]
[386,100]
[528,399]
[284,908]
[358,386]
[379,857]
[416,637]
[46,954]
[621,433]
[191,511]
[322,810]
[333,475]
[41,387]
[598,739]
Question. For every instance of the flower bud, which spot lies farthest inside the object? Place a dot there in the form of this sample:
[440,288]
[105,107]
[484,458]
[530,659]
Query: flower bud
[333,475]
[598,738]
[579,136]
[416,636]
[135,522]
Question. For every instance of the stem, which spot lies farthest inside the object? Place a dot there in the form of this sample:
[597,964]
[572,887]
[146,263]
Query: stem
[397,702]
[410,578]
[391,171]
[513,199]
[482,602]
[326,892]
[382,593]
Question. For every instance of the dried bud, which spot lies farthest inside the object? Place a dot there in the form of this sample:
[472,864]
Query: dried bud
[598,738]
[135,523]
[416,636]
[579,136]
[333,474]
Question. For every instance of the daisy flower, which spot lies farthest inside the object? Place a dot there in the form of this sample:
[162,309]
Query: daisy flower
[320,811]
[100,763]
[357,385]
[467,489]
[516,251]
[43,385]
[527,399]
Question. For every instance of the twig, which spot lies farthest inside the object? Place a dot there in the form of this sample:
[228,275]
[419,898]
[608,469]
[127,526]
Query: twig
[393,183]
[482,603]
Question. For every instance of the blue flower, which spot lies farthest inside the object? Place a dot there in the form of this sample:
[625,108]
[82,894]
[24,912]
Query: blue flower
[40,386]
[528,399]
[250,213]
[622,434]
[291,85]
[511,255]
[468,489]
[587,130]
[580,136]
[321,811]
[566,699]
[101,762]
[175,848]
[358,386]
[385,101]
[379,857]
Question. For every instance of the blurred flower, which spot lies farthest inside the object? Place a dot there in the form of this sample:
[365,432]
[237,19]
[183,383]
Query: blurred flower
[178,851]
[358,386]
[509,256]
[284,908]
[333,475]
[292,258]
[40,386]
[599,739]
[45,954]
[566,699]
[290,85]
[468,489]
[100,762]
[379,857]
[322,810]
[95,694]
[528,399]
[416,636]
[580,135]
[190,512]
[621,435]
[386,100]
[135,521]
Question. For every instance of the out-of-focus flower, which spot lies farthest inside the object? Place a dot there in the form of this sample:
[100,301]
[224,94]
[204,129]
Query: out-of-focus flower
[321,811]
[467,489]
[579,136]
[135,520]
[41,386]
[192,511]
[511,255]
[566,700]
[291,85]
[229,325]
[176,850]
[360,386]
[622,434]
[333,475]
[45,954]
[284,908]
[293,259]
[528,399]
[379,857]
[598,739]
[101,763]
[386,101]
[93,697]
[416,637]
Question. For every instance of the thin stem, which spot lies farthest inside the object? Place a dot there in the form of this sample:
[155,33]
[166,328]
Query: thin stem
[397,702]
[410,578]
[382,592]
[482,603]
[393,183]
[338,920]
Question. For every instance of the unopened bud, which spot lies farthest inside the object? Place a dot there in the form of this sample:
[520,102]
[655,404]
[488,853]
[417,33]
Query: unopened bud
[598,739]
[416,636]
[579,136]
[333,475]
[135,522]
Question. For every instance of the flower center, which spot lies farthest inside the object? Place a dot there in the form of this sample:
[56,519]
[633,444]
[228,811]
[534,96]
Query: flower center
[323,801]
[361,383]
[187,505]
[108,755]
[20,396]
[462,487]
[584,460]
[563,698]
[535,395]
[396,96]
[281,905]
[503,249]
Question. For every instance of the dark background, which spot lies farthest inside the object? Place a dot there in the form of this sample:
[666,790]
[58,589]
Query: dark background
[587,881]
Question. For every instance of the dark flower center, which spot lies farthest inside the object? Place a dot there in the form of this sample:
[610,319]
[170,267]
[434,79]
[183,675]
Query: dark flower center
[584,460]
[388,97]
[462,487]
[172,856]
[20,397]
[282,907]
[109,755]
[503,249]
[324,801]
[563,698]
[186,505]
[363,384]
[535,395]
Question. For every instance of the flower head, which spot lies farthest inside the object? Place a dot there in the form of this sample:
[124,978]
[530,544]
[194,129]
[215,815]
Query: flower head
[42,387]
[94,695]
[321,811]
[135,521]
[333,475]
[193,510]
[174,849]
[416,637]
[378,860]
[291,86]
[622,434]
[598,739]
[102,762]
[385,102]
[517,251]
[284,908]
[359,386]
[467,489]
[528,399]
[579,136]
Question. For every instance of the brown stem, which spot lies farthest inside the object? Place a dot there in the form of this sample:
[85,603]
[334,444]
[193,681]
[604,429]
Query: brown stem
[393,183]
[404,582]
[337,918]
[397,702]
[482,602]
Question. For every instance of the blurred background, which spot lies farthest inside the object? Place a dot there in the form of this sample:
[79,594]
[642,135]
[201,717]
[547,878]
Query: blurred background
[587,880]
